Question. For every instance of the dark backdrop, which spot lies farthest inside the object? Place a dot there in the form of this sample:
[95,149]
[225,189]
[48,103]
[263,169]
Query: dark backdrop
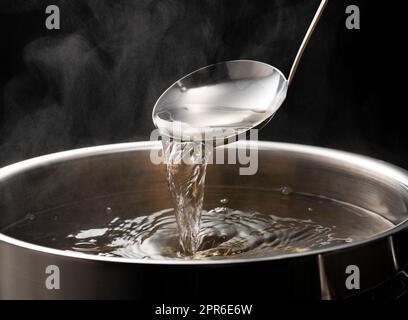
[95,80]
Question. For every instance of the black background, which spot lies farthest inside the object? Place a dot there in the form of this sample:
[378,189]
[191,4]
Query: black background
[95,81]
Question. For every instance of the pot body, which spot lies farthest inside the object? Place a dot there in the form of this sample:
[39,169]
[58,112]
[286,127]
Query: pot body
[53,181]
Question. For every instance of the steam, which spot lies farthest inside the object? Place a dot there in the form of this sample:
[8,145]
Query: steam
[97,79]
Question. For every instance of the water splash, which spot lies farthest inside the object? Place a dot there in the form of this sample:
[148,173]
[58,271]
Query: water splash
[224,233]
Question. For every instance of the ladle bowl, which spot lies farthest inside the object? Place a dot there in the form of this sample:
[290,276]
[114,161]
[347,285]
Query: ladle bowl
[220,101]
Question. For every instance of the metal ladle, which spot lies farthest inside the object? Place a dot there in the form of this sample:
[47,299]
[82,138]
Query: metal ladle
[227,98]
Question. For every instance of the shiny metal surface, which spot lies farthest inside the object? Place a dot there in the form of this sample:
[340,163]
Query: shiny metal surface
[74,176]
[228,97]
[231,97]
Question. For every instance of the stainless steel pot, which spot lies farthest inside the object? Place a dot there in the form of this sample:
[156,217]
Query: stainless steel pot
[53,181]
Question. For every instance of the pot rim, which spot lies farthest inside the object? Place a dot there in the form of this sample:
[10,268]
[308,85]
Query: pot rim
[370,164]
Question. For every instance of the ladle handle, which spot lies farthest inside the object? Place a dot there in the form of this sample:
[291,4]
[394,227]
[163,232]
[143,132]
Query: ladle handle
[306,39]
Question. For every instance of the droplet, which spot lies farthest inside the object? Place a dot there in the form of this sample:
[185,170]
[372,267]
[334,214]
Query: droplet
[286,191]
[108,210]
[224,201]
[309,209]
